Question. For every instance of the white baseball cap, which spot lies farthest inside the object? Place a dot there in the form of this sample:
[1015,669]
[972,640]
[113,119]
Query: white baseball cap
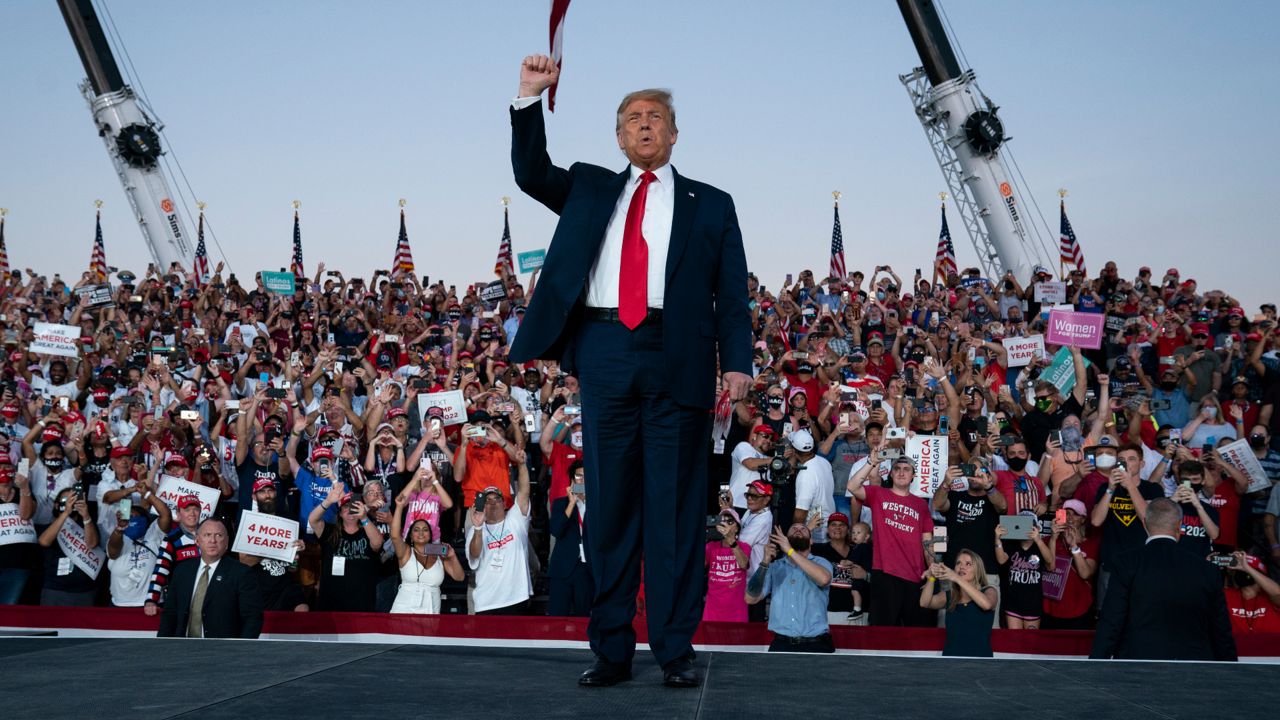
[802,440]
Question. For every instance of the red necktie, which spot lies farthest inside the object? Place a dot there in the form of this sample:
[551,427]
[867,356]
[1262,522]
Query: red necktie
[633,281]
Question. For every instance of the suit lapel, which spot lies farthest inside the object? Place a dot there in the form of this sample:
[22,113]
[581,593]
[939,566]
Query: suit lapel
[686,205]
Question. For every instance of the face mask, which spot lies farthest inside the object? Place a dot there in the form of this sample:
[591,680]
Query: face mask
[1258,441]
[1016,464]
[1043,404]
[1242,579]
[575,439]
[54,465]
[775,402]
[1071,437]
[1105,462]
[880,296]
[137,528]
[1168,386]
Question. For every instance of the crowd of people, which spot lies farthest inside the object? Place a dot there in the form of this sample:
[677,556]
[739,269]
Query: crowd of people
[192,401]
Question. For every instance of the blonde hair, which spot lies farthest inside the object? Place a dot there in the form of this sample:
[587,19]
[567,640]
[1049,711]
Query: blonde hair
[657,95]
[979,579]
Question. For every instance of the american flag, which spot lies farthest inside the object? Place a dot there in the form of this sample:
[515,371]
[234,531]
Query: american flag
[837,247]
[404,257]
[559,8]
[201,266]
[296,265]
[98,263]
[1069,248]
[4,253]
[505,264]
[945,260]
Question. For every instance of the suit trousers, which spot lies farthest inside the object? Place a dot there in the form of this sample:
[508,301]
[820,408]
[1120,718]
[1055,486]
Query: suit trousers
[571,596]
[646,476]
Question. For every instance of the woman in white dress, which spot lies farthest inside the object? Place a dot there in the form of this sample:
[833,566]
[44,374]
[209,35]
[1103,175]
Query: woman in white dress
[423,563]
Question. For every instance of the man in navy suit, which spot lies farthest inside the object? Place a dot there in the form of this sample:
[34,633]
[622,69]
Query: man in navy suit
[569,568]
[644,297]
[1164,602]
[214,595]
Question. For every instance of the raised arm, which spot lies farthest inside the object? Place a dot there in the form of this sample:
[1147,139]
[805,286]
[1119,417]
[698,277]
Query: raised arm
[534,172]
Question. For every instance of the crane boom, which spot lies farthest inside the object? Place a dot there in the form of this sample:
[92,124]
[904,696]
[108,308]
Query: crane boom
[131,137]
[966,136]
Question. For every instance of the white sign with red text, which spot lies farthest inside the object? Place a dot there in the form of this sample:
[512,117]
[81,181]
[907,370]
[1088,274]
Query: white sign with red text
[1022,351]
[451,403]
[172,488]
[929,454]
[1240,456]
[89,558]
[266,536]
[13,529]
[54,339]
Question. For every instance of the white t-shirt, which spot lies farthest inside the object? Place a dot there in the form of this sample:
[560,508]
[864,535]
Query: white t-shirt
[740,476]
[815,488]
[131,572]
[44,489]
[755,534]
[502,570]
[530,405]
[68,389]
[108,512]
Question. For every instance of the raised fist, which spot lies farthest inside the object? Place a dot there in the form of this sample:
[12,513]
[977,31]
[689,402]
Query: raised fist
[537,73]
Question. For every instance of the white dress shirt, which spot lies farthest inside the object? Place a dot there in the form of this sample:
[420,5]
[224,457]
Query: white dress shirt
[602,287]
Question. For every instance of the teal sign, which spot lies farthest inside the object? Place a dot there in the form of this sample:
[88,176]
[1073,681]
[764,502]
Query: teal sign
[280,283]
[532,260]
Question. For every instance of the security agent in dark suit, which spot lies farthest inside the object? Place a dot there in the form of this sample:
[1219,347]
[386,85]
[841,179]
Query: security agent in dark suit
[1164,602]
[215,595]
[643,291]
[569,569]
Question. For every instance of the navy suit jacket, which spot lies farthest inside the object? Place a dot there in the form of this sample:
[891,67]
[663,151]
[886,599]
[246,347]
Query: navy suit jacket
[1164,603]
[232,603]
[564,558]
[705,313]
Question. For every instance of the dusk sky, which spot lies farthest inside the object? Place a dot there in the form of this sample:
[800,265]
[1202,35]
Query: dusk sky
[1158,117]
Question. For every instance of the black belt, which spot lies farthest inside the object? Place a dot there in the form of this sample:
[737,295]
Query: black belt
[598,314]
[802,640]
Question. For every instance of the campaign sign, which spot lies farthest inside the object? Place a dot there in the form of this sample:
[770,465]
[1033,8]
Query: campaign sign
[1022,350]
[266,536]
[1054,582]
[54,339]
[532,260]
[172,488]
[1240,456]
[929,454]
[1061,371]
[98,295]
[13,529]
[451,403]
[1076,329]
[76,547]
[493,293]
[280,283]
[1053,291]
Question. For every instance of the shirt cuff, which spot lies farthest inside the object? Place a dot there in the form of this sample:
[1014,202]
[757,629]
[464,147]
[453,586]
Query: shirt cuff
[521,103]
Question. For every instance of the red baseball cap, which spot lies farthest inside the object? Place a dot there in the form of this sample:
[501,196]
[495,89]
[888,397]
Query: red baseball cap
[175,459]
[1253,337]
[262,484]
[396,412]
[1236,311]
[1199,329]
[761,487]
[1173,271]
[838,517]
[188,500]
[121,451]
[764,430]
[321,452]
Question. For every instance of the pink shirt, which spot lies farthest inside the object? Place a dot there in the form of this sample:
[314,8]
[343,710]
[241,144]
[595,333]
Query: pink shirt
[898,525]
[423,506]
[726,584]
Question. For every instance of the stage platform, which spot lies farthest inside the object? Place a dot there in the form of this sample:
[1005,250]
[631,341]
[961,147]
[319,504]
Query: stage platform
[59,677]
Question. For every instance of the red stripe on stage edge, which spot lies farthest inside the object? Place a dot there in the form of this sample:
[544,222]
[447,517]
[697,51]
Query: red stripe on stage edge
[484,627]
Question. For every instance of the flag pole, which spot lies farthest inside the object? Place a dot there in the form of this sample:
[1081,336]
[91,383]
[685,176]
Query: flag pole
[942,197]
[1061,208]
[3,251]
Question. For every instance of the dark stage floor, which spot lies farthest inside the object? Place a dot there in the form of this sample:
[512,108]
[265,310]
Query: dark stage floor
[154,679]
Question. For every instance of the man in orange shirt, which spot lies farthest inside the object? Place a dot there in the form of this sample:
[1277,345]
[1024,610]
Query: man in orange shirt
[484,458]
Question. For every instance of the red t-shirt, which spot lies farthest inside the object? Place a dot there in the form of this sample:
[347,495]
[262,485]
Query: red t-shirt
[1166,344]
[884,369]
[562,456]
[898,525]
[1028,498]
[812,392]
[1077,594]
[1251,616]
[1087,491]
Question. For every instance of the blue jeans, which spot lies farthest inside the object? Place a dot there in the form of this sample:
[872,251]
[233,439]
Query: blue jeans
[11,584]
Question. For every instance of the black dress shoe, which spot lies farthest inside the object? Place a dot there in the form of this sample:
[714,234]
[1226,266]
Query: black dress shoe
[680,674]
[603,673]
